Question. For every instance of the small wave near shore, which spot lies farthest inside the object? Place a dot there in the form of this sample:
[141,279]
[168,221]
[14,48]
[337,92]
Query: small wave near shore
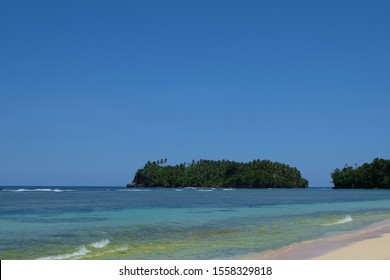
[346,219]
[81,252]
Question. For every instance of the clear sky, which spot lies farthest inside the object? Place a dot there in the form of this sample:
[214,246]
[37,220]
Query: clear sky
[91,90]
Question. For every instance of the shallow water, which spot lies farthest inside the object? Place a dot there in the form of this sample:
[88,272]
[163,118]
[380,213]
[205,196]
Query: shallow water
[120,223]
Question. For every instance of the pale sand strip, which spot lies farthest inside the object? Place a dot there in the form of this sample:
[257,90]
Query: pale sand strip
[377,248]
[371,243]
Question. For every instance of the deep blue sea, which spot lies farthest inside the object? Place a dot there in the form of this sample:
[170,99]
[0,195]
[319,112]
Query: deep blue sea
[121,223]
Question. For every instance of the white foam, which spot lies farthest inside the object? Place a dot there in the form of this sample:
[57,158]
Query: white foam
[75,255]
[346,219]
[229,189]
[133,190]
[18,190]
[120,249]
[100,244]
[40,190]
[48,190]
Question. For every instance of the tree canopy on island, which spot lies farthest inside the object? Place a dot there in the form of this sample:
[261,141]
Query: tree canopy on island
[367,176]
[221,173]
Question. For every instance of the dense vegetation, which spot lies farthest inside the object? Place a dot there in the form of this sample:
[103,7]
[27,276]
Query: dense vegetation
[222,173]
[367,176]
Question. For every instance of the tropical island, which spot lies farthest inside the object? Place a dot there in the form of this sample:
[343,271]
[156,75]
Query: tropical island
[374,175]
[219,173]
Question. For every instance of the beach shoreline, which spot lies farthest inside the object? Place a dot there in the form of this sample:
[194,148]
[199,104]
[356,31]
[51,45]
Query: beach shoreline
[369,243]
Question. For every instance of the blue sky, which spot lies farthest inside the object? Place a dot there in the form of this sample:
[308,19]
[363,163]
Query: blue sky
[91,90]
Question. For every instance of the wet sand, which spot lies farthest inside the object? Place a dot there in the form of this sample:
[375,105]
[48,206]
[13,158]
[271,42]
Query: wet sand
[370,243]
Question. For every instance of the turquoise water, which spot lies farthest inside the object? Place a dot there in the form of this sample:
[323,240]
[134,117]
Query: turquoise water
[120,223]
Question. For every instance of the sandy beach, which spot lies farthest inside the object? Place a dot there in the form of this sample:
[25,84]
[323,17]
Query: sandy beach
[370,243]
[375,248]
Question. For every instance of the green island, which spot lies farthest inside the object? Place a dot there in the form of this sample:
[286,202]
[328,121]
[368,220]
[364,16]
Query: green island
[374,175]
[219,173]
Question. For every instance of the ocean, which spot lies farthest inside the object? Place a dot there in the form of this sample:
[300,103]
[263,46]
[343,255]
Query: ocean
[177,223]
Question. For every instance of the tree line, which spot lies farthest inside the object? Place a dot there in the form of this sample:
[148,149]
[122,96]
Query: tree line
[219,173]
[367,176]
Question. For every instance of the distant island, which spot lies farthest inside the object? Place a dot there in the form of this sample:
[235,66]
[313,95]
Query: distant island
[374,175]
[220,173]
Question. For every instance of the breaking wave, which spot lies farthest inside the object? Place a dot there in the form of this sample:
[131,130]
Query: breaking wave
[100,244]
[134,190]
[346,219]
[75,255]
[40,190]
[81,252]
